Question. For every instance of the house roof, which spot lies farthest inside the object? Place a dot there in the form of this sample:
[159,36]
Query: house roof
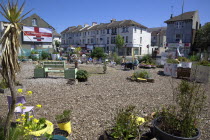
[184,16]
[113,24]
[35,15]
[56,34]
[157,30]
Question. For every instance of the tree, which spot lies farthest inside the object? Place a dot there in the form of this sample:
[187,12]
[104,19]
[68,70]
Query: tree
[10,47]
[202,39]
[119,42]
[57,44]
[98,53]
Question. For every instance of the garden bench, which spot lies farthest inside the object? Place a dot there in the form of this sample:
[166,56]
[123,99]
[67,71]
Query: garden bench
[54,66]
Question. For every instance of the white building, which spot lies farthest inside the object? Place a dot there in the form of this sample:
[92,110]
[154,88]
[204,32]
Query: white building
[137,39]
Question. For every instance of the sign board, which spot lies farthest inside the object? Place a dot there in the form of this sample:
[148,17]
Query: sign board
[36,34]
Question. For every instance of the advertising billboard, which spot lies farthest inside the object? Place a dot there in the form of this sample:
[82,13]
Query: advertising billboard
[36,34]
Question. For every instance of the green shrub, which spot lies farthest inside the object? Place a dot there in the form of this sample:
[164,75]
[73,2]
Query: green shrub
[181,119]
[203,63]
[194,58]
[141,74]
[125,126]
[183,59]
[98,52]
[116,58]
[82,74]
[34,52]
[3,84]
[172,61]
[64,117]
[146,58]
[45,55]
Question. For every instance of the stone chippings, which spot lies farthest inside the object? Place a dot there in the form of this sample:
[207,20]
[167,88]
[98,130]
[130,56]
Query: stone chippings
[94,103]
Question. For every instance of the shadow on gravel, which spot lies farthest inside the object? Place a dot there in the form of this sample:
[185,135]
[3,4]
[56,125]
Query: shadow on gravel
[161,73]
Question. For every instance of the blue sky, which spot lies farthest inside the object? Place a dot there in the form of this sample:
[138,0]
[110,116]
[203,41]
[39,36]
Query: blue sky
[151,13]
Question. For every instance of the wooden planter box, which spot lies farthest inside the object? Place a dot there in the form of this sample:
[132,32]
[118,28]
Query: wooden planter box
[70,73]
[200,73]
[183,72]
[39,73]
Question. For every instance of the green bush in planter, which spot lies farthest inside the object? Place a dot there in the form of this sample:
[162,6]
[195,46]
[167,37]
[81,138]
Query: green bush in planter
[45,55]
[34,52]
[141,74]
[172,61]
[125,126]
[82,74]
[183,59]
[181,119]
[204,63]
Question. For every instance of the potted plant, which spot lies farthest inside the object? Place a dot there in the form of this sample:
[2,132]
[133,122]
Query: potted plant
[180,120]
[82,75]
[125,126]
[63,121]
[3,86]
[34,55]
[55,55]
[185,63]
[200,72]
[30,126]
[39,72]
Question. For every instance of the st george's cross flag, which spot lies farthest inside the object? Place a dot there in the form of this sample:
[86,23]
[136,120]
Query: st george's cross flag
[36,34]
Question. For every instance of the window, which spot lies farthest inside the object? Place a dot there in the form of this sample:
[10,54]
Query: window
[88,41]
[113,40]
[126,40]
[83,41]
[141,30]
[34,22]
[134,29]
[97,32]
[140,40]
[178,37]
[126,29]
[104,31]
[107,31]
[123,29]
[91,40]
[107,40]
[114,31]
[179,24]
[97,40]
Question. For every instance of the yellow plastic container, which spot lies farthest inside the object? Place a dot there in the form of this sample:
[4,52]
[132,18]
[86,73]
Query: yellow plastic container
[48,129]
[65,126]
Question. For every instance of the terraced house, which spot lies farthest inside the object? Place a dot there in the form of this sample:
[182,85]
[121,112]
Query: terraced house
[137,39]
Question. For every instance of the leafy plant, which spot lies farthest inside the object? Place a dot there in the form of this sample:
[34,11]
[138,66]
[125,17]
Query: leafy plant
[204,63]
[147,59]
[98,52]
[105,67]
[34,52]
[116,58]
[125,126]
[182,118]
[194,58]
[183,59]
[3,84]
[64,117]
[141,74]
[82,74]
[172,61]
[10,44]
[45,55]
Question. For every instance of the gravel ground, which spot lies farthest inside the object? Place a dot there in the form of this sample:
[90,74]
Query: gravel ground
[94,103]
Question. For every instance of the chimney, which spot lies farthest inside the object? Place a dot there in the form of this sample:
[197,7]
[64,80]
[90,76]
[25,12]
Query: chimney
[171,16]
[85,25]
[113,20]
[94,23]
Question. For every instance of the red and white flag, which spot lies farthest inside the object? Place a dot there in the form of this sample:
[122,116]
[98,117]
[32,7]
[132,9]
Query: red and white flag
[36,34]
